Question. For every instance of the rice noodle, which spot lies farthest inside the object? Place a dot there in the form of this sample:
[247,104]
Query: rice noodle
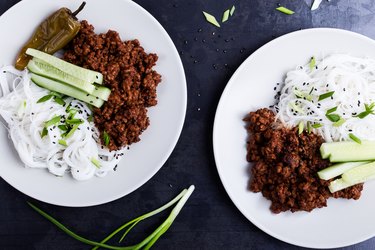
[25,120]
[353,81]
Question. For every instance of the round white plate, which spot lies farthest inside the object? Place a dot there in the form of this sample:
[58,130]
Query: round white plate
[144,158]
[342,222]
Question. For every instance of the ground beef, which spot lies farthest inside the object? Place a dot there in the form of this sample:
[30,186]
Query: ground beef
[285,165]
[127,71]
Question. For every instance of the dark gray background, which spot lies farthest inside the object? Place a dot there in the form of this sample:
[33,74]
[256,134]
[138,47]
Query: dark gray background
[210,56]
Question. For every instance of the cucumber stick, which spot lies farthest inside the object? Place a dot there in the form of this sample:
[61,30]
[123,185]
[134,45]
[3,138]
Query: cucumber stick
[338,169]
[66,89]
[338,185]
[101,92]
[347,151]
[74,70]
[41,68]
[360,174]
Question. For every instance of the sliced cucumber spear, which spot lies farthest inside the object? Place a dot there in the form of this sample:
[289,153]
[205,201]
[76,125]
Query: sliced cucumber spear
[74,70]
[360,174]
[338,169]
[66,89]
[348,151]
[39,67]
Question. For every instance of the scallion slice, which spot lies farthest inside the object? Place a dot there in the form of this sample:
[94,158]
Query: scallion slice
[53,121]
[355,138]
[329,111]
[285,10]
[211,19]
[312,63]
[326,95]
[232,10]
[333,117]
[225,16]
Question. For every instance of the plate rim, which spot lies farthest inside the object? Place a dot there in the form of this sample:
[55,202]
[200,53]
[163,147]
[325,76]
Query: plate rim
[224,95]
[176,136]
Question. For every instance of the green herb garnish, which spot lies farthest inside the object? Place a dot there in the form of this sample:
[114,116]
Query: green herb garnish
[232,10]
[333,117]
[62,142]
[71,131]
[369,110]
[285,10]
[308,127]
[106,138]
[355,138]
[44,132]
[339,122]
[148,242]
[59,100]
[303,95]
[44,98]
[53,121]
[312,63]
[326,95]
[317,125]
[329,111]
[95,162]
[225,16]
[211,19]
[300,127]
[90,118]
[63,127]
[74,121]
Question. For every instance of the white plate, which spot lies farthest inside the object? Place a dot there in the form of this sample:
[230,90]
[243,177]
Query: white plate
[343,222]
[144,158]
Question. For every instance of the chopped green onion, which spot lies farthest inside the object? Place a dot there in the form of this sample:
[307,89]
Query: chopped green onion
[339,122]
[63,127]
[232,10]
[71,131]
[74,121]
[53,121]
[95,162]
[285,10]
[312,63]
[317,125]
[300,94]
[311,90]
[106,138]
[331,110]
[90,118]
[333,117]
[308,127]
[326,95]
[369,110]
[63,143]
[355,138]
[44,132]
[211,19]
[59,100]
[300,127]
[296,108]
[44,98]
[225,16]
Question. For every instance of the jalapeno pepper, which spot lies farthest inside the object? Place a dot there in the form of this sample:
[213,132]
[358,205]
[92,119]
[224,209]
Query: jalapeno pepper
[52,34]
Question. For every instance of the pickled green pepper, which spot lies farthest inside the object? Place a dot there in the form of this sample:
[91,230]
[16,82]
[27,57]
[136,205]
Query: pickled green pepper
[52,34]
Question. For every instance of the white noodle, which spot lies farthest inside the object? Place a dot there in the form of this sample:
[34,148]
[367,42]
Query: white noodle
[353,81]
[25,120]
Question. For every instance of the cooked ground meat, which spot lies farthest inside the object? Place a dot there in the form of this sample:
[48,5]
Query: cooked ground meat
[127,71]
[285,165]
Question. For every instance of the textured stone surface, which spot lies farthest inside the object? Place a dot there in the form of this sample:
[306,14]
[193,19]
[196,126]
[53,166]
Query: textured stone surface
[210,56]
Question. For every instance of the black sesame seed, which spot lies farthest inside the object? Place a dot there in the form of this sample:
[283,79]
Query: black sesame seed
[224,51]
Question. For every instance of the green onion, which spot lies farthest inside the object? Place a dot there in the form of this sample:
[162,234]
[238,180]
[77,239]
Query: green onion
[285,10]
[312,63]
[44,98]
[211,19]
[308,127]
[317,125]
[73,121]
[339,122]
[369,110]
[333,117]
[300,127]
[326,95]
[71,131]
[44,132]
[106,138]
[296,108]
[300,94]
[95,162]
[53,121]
[355,138]
[90,118]
[225,16]
[181,199]
[63,143]
[311,90]
[63,127]
[232,10]
[331,110]
[59,100]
